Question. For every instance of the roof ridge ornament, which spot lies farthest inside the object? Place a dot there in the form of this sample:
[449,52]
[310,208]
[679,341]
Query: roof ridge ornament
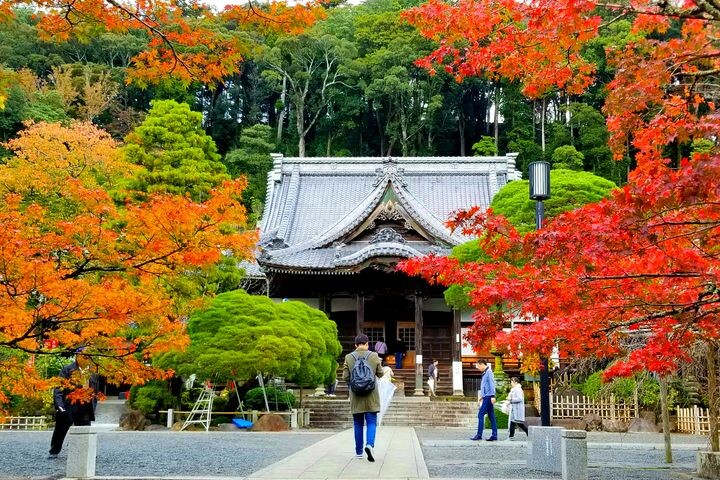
[389,172]
[387,234]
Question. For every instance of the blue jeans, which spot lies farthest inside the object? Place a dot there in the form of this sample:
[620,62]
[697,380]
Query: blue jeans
[486,407]
[398,360]
[359,419]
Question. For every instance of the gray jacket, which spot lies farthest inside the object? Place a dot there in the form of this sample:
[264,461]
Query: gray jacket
[517,404]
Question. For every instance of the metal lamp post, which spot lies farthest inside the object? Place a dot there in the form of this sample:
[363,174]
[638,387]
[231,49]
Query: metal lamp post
[539,174]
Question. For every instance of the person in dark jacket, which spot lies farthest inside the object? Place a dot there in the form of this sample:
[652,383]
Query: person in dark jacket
[68,412]
[400,351]
[364,408]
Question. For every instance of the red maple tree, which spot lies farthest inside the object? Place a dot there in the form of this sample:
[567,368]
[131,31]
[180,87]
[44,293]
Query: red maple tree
[187,40]
[644,264]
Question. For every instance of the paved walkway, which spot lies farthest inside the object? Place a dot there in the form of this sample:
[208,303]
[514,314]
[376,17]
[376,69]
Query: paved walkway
[397,455]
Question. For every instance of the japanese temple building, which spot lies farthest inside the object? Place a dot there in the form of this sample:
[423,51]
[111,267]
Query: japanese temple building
[333,230]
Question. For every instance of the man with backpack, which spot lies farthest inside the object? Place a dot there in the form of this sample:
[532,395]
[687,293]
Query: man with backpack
[361,369]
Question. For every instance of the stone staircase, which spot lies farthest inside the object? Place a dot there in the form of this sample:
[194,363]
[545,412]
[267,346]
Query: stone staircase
[407,375]
[334,413]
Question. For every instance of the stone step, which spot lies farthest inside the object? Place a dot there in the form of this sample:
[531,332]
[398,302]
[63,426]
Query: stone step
[413,411]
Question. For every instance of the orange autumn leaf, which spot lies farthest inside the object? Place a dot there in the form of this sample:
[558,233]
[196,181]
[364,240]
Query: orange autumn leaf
[78,269]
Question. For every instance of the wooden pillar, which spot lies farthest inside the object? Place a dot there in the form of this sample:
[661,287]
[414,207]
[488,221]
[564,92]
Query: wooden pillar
[360,317]
[418,346]
[456,334]
[325,303]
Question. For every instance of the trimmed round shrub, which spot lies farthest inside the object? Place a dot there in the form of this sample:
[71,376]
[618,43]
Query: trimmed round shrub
[277,400]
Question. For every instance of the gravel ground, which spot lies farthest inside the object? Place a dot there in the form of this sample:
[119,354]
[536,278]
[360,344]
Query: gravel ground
[448,454]
[447,451]
[207,454]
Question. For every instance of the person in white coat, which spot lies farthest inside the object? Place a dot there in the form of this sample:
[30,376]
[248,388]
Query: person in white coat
[517,407]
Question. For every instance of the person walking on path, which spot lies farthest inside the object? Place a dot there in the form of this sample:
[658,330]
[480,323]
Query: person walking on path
[486,400]
[67,411]
[400,351]
[517,407]
[363,406]
[381,349]
[432,377]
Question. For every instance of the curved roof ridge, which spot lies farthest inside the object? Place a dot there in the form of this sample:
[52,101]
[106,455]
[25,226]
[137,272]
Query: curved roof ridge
[384,249]
[290,200]
[354,218]
[425,217]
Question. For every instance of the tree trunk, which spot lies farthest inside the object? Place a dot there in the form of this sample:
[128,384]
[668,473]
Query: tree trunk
[461,132]
[542,124]
[568,119]
[403,134]
[665,414]
[496,119]
[713,397]
[281,114]
[381,132]
[300,124]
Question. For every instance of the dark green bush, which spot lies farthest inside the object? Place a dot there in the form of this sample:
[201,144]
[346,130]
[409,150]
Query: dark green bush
[151,397]
[277,399]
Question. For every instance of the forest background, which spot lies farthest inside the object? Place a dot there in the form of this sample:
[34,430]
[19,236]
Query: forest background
[347,86]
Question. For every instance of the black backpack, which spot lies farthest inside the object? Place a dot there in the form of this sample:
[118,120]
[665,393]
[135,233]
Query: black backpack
[362,378]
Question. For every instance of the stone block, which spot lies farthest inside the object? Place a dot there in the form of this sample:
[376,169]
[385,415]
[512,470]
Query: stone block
[570,423]
[133,420]
[642,425]
[270,422]
[593,422]
[573,453]
[544,449]
[81,452]
[615,426]
[708,464]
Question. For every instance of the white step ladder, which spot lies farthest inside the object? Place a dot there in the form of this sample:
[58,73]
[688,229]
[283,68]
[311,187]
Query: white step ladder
[202,410]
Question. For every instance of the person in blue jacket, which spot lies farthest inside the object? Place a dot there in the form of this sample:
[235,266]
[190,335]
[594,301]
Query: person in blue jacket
[486,401]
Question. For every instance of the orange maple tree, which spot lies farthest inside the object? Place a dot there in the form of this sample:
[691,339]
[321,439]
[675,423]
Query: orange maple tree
[76,269]
[636,276]
[185,39]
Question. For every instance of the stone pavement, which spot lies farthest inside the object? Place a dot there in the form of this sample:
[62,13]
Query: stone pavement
[401,453]
[397,456]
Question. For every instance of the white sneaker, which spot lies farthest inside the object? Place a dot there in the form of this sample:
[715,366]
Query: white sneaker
[359,455]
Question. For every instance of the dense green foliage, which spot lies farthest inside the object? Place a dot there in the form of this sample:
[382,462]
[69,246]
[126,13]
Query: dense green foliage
[568,158]
[485,147]
[178,156]
[151,397]
[252,159]
[569,190]
[277,400]
[240,335]
[347,86]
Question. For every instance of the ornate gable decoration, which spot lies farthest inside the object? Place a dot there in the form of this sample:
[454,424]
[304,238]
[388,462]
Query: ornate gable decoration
[387,234]
[389,172]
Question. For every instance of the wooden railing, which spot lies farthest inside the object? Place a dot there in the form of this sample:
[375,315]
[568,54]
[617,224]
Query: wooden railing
[296,418]
[577,406]
[24,423]
[693,420]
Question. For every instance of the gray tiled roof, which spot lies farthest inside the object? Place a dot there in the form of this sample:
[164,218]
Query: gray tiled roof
[315,203]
